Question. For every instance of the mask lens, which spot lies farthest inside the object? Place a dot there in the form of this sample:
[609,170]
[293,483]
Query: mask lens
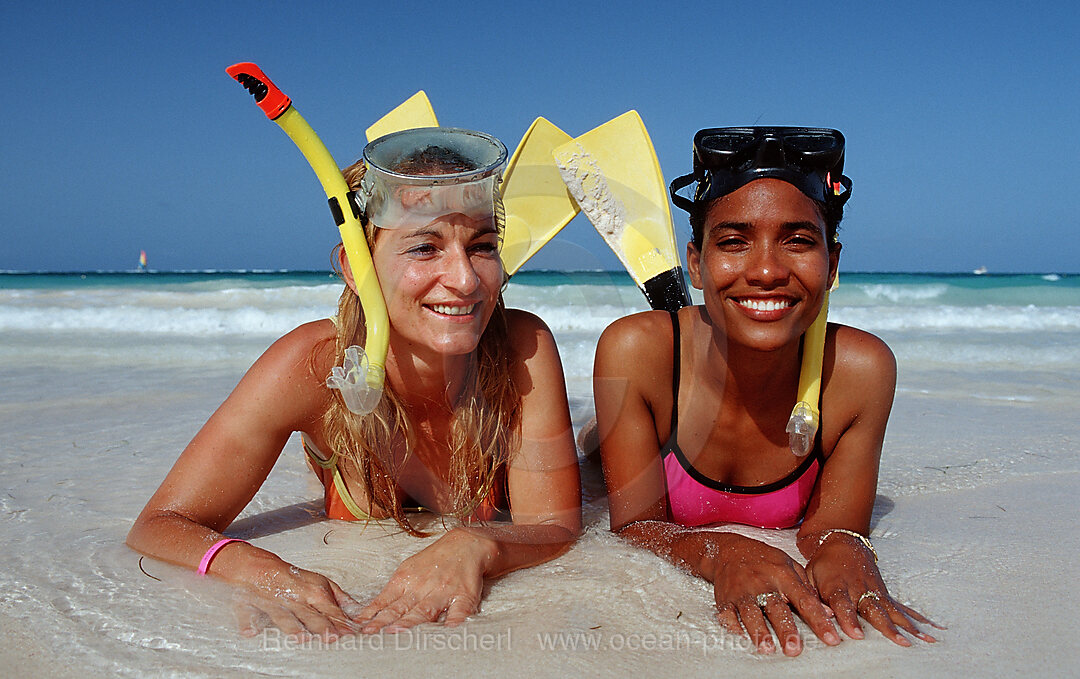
[813,150]
[725,149]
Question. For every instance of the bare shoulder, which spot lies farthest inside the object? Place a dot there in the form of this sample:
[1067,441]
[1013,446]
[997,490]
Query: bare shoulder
[859,380]
[635,340]
[529,337]
[858,356]
[294,370]
[522,324]
[303,347]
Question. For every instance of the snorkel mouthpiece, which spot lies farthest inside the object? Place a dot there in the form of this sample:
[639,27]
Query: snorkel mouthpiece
[360,382]
[802,428]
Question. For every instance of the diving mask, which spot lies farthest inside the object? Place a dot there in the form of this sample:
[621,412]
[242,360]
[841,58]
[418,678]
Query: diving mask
[413,177]
[727,158]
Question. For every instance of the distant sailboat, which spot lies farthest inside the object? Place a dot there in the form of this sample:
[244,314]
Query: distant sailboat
[980,271]
[142,261]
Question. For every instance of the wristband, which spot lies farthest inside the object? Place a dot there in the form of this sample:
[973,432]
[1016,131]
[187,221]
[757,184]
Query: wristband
[204,564]
[859,536]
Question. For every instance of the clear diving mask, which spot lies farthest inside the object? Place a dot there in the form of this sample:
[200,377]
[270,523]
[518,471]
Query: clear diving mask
[413,177]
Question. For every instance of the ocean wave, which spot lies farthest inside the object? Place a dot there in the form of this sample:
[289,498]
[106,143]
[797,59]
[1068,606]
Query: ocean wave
[945,318]
[901,293]
[127,319]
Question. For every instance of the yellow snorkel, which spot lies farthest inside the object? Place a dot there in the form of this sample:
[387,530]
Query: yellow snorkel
[360,379]
[805,418]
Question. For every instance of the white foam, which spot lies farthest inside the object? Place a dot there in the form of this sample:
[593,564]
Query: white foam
[983,318]
[902,293]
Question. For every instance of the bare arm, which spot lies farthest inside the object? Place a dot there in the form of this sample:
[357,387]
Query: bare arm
[223,467]
[858,398]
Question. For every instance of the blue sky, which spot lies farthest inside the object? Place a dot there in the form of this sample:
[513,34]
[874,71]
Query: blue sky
[123,132]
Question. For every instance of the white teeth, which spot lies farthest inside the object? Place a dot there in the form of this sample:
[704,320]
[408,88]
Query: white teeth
[764,305]
[453,310]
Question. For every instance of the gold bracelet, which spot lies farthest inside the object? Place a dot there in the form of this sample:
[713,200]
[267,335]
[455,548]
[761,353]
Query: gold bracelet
[859,536]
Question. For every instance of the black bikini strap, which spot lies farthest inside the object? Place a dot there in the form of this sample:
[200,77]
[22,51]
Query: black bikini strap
[676,351]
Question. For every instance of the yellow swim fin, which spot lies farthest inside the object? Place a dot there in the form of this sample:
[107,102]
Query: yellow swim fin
[613,174]
[537,203]
[414,112]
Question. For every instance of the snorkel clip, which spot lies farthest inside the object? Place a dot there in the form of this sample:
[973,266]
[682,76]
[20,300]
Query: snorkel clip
[802,429]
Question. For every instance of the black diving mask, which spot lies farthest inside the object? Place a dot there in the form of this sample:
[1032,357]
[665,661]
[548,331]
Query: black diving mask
[727,158]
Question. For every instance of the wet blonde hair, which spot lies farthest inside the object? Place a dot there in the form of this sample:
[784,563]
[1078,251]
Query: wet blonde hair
[485,423]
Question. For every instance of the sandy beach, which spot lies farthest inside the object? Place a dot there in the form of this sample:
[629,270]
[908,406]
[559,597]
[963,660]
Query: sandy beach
[973,523]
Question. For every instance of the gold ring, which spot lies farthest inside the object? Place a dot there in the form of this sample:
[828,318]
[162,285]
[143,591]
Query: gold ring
[867,595]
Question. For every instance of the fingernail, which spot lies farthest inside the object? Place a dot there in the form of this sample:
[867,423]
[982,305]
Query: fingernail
[857,633]
[902,640]
[831,638]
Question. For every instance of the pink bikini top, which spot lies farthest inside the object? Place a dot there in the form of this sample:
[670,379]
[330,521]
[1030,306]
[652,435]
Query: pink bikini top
[695,500]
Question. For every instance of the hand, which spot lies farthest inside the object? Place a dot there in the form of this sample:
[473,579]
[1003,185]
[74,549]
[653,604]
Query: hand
[444,580]
[300,603]
[845,574]
[747,569]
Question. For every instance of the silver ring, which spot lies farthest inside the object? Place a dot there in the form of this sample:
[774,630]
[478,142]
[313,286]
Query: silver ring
[867,595]
[762,600]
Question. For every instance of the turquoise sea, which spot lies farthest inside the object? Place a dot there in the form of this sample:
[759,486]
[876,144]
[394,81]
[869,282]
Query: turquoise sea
[1028,322]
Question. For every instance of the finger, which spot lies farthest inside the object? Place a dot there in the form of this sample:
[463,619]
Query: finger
[901,620]
[875,614]
[460,608]
[914,614]
[783,623]
[386,616]
[805,578]
[754,622]
[332,607]
[389,594]
[340,623]
[424,611]
[315,622]
[816,615]
[348,605]
[286,621]
[250,619]
[728,617]
[846,615]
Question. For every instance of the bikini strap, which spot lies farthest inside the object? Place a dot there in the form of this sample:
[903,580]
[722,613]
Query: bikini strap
[676,351]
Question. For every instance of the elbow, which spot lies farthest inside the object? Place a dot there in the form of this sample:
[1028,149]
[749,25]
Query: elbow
[152,529]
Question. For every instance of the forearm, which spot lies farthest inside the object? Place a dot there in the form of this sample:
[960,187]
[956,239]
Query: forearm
[176,539]
[694,550]
[507,548]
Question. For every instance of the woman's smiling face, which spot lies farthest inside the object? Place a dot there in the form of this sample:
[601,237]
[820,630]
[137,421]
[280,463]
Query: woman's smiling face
[441,282]
[764,264]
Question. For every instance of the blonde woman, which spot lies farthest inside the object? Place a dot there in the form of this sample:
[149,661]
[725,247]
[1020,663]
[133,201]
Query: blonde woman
[473,424]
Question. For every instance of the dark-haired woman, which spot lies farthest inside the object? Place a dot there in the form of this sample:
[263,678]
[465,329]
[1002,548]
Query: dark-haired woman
[692,407]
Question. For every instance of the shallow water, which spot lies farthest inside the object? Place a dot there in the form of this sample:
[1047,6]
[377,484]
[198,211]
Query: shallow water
[973,520]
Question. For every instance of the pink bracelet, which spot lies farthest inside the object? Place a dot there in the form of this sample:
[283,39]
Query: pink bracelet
[204,565]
